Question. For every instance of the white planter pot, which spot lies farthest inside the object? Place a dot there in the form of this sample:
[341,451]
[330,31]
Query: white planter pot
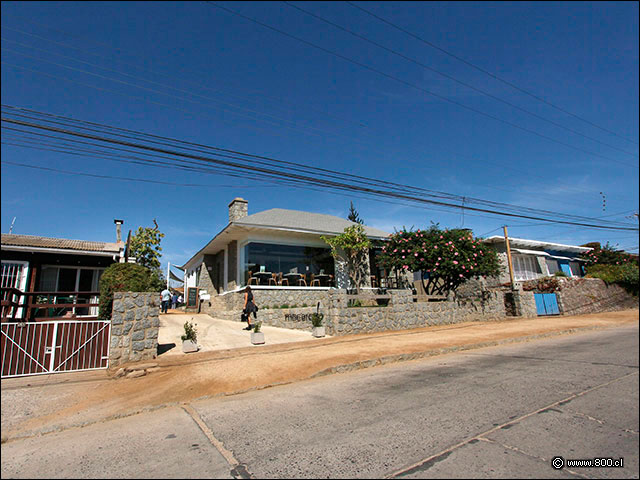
[257,338]
[318,332]
[189,346]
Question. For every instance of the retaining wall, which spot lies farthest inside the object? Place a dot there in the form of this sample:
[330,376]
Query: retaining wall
[592,295]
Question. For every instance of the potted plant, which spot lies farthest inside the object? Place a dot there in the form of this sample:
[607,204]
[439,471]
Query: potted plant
[190,338]
[257,337]
[316,322]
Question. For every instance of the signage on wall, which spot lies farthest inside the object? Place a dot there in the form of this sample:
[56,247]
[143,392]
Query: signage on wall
[192,297]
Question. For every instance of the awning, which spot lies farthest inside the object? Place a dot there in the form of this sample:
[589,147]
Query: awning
[557,257]
[530,252]
[173,276]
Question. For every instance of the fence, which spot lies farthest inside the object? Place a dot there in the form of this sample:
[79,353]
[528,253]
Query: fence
[32,348]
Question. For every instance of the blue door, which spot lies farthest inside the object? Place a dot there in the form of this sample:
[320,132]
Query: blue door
[551,304]
[539,303]
[546,304]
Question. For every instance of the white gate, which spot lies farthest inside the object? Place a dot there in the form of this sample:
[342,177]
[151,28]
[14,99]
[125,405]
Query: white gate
[35,348]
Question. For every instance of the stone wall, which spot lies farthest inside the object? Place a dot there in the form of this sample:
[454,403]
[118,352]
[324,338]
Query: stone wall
[134,327]
[403,313]
[592,295]
[525,304]
[270,298]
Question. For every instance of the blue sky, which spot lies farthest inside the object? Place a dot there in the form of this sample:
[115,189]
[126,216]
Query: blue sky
[224,81]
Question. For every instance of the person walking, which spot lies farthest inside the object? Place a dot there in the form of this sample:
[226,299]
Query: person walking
[249,307]
[166,298]
[174,301]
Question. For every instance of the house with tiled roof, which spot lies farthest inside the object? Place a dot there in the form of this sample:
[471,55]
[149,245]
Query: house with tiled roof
[54,271]
[272,249]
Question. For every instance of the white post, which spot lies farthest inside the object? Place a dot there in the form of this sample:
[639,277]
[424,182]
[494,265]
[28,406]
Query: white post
[168,267]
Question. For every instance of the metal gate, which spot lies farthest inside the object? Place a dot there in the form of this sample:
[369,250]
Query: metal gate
[546,303]
[35,348]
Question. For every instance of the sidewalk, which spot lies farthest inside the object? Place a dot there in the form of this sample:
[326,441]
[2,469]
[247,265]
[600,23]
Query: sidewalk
[55,403]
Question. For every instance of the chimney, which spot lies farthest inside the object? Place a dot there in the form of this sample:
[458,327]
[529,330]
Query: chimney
[238,208]
[118,230]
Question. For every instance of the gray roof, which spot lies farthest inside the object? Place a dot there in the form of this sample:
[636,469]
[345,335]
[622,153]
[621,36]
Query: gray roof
[9,240]
[280,218]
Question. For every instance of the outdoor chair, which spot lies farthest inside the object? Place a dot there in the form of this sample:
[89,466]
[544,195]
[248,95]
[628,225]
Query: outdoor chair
[252,280]
[282,280]
[302,280]
[274,279]
[314,281]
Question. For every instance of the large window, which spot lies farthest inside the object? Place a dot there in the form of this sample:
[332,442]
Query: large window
[285,259]
[525,267]
[66,281]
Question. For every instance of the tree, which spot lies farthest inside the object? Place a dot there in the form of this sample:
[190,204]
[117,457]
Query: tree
[444,258]
[352,247]
[354,216]
[122,277]
[145,246]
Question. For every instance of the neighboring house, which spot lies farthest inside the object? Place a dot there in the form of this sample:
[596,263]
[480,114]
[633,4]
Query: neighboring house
[533,259]
[275,241]
[39,271]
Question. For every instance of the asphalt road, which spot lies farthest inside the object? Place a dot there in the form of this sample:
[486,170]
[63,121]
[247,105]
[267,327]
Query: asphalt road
[488,413]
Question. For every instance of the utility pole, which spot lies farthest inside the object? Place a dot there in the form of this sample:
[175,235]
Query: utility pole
[169,266]
[506,241]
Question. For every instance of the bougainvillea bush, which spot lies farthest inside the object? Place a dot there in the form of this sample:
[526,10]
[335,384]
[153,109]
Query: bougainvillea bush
[613,266]
[608,255]
[445,258]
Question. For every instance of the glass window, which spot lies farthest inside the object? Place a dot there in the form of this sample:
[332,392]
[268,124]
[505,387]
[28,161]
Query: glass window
[286,259]
[48,279]
[576,270]
[67,279]
[552,265]
[525,267]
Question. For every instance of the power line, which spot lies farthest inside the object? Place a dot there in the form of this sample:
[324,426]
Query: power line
[292,176]
[417,87]
[506,82]
[445,75]
[304,168]
[290,123]
[156,72]
[199,113]
[365,196]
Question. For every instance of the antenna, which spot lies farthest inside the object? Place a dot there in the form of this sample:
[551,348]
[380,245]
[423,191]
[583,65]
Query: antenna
[11,227]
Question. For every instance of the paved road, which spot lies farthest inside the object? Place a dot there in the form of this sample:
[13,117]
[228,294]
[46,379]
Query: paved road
[487,413]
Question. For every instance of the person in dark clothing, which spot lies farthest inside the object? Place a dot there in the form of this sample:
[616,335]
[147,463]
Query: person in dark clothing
[174,301]
[249,307]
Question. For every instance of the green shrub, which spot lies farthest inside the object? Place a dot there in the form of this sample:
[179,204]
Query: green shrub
[560,273]
[256,327]
[123,277]
[316,319]
[190,332]
[624,275]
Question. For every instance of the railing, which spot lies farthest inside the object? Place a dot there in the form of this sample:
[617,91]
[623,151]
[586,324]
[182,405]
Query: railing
[34,306]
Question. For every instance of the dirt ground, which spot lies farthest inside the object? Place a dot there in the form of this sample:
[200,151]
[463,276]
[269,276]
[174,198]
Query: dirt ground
[34,405]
